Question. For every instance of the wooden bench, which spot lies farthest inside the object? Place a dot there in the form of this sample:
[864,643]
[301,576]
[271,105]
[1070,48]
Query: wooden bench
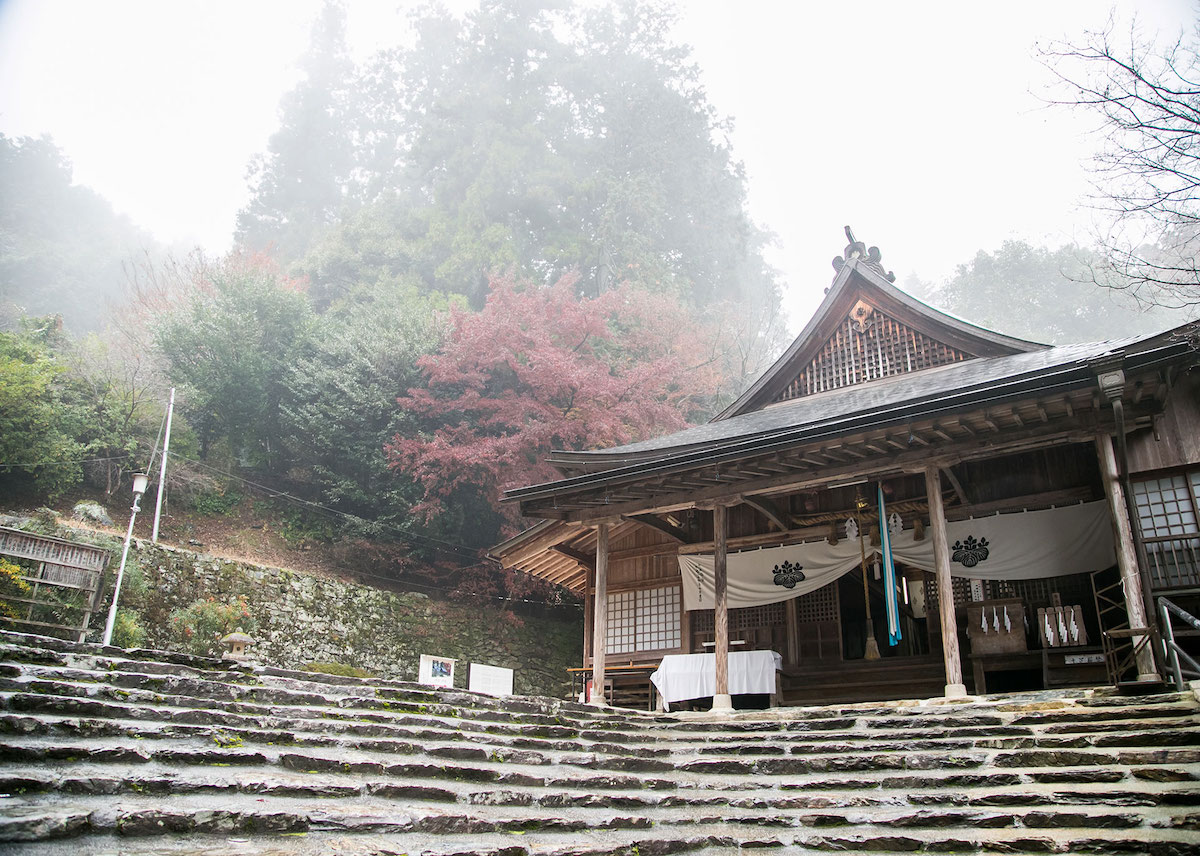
[625,685]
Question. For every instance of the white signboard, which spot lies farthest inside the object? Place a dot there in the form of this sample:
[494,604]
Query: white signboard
[436,671]
[492,680]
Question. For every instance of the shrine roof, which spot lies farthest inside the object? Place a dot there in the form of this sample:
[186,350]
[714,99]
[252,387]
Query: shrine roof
[871,357]
[964,380]
[979,375]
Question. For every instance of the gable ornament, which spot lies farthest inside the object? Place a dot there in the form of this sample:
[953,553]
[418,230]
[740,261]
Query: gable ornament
[858,250]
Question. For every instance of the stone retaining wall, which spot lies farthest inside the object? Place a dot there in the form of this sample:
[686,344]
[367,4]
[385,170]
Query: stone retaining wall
[303,618]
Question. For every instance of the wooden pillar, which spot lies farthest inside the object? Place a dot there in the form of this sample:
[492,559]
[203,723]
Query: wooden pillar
[721,699]
[1126,548]
[589,587]
[793,632]
[941,559]
[600,616]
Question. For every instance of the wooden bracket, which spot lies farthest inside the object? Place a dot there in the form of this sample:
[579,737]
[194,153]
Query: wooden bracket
[769,510]
[584,560]
[657,523]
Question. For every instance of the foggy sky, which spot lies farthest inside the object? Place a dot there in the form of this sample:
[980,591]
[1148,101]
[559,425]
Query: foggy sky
[919,124]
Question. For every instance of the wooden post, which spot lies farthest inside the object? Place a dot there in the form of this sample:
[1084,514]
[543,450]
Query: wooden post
[793,632]
[941,559]
[1127,561]
[600,616]
[588,627]
[721,699]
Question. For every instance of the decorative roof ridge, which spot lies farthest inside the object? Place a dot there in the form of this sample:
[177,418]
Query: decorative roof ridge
[866,256]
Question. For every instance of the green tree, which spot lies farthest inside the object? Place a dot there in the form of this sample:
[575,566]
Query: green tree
[229,347]
[301,185]
[339,408]
[1045,295]
[40,423]
[537,139]
[62,247]
[72,411]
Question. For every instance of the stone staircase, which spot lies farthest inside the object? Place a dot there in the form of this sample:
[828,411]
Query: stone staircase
[110,751]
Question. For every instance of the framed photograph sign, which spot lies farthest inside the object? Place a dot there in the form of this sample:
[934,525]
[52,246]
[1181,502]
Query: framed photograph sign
[436,671]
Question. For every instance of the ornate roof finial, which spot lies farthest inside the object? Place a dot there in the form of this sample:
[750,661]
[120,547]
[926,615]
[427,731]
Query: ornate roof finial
[858,250]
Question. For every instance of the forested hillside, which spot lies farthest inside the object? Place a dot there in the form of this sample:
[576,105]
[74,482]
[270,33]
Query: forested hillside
[524,229]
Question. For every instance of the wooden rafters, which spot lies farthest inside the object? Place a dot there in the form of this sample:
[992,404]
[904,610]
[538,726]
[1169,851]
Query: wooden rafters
[776,467]
[584,560]
[659,525]
[957,485]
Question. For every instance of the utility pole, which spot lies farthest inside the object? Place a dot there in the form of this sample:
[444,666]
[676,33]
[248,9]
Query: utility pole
[162,469]
[139,487]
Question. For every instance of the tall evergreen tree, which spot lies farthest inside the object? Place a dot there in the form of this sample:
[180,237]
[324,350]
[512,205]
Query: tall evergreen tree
[62,247]
[302,184]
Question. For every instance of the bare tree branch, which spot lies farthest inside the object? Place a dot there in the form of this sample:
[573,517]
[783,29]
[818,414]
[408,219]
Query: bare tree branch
[1147,172]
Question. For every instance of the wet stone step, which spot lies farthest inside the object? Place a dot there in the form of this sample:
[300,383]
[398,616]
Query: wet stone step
[98,710]
[910,783]
[1054,758]
[936,723]
[1159,774]
[1133,701]
[17,654]
[1108,717]
[1161,756]
[58,695]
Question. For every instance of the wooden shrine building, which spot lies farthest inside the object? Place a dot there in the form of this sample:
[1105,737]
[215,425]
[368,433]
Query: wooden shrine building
[1033,499]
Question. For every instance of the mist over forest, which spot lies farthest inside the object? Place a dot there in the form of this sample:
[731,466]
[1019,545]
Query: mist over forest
[527,230]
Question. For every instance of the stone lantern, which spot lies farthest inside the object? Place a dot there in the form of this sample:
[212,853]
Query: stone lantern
[235,645]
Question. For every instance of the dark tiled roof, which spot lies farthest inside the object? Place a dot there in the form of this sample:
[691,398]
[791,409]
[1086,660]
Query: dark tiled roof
[834,405]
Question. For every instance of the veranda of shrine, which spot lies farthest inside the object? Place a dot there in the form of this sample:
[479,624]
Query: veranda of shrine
[951,424]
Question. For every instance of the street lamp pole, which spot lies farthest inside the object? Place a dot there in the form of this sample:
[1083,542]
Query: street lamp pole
[140,481]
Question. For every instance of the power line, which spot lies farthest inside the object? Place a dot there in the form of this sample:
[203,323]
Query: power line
[450,547]
[404,536]
[157,440]
[31,464]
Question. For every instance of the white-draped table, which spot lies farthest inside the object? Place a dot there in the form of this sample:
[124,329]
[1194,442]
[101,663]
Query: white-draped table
[686,676]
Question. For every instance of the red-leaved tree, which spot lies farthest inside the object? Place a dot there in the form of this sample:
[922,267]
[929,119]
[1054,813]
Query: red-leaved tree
[541,368]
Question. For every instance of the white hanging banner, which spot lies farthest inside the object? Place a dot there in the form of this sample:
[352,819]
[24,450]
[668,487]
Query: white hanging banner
[1021,546]
[769,575]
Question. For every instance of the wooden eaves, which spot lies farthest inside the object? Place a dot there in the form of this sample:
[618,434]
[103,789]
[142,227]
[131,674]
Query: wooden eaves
[1056,405]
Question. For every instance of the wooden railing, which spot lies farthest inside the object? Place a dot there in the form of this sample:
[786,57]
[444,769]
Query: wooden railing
[64,588]
[1173,562]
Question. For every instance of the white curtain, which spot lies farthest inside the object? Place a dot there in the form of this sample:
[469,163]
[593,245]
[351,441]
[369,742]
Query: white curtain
[1020,546]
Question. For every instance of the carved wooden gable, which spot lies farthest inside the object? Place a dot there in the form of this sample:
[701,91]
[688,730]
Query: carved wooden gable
[869,344]
[864,330]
